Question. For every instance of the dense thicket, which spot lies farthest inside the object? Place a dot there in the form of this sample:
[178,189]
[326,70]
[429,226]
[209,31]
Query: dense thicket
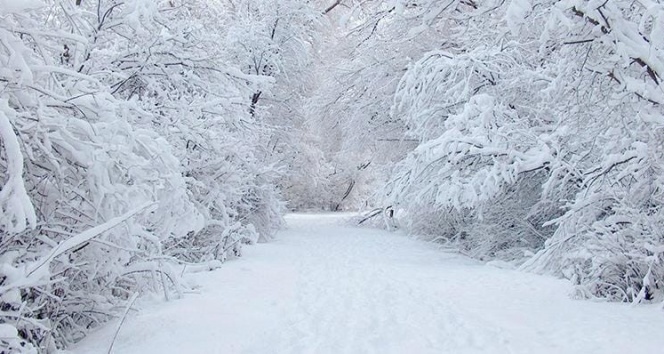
[541,130]
[538,126]
[134,149]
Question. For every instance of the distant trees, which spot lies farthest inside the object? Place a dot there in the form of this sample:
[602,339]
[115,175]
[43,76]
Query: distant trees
[355,76]
[277,41]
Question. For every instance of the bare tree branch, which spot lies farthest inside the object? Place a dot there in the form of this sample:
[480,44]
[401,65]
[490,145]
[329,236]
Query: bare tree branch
[331,7]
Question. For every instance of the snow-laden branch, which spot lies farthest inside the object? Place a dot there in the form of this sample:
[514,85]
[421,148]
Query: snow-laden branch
[16,209]
[84,237]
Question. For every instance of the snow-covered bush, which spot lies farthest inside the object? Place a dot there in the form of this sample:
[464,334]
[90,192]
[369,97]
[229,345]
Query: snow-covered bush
[169,62]
[105,193]
[609,241]
[541,131]
[481,163]
[127,149]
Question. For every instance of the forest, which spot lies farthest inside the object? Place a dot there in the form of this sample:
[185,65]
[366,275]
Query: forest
[144,139]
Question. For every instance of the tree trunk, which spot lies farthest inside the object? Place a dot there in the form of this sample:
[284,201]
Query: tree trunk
[350,189]
[254,101]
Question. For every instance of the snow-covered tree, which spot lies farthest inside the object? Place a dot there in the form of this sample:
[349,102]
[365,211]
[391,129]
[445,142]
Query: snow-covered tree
[540,128]
[128,149]
[103,191]
[360,63]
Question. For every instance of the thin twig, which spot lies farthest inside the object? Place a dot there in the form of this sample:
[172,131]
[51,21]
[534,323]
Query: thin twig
[124,316]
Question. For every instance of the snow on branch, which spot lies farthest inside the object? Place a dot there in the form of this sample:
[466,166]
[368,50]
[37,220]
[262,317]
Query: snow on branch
[84,237]
[16,209]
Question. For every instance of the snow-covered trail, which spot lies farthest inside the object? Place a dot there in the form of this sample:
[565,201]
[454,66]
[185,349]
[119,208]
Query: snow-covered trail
[323,287]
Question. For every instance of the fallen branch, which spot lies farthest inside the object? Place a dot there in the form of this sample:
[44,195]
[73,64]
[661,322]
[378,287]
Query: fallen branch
[371,214]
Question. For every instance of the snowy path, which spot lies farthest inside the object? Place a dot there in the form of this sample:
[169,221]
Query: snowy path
[322,287]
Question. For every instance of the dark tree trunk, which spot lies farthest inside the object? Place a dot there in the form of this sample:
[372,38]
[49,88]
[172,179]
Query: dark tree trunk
[331,7]
[254,101]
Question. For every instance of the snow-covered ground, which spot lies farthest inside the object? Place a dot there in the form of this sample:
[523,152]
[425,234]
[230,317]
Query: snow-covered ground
[325,287]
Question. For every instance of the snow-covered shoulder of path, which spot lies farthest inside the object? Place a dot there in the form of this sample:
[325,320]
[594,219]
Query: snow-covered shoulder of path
[325,287]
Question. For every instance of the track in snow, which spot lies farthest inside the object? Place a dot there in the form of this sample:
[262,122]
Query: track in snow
[323,287]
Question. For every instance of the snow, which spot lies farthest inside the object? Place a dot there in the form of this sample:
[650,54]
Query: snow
[517,11]
[325,287]
[16,210]
[16,6]
[7,331]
